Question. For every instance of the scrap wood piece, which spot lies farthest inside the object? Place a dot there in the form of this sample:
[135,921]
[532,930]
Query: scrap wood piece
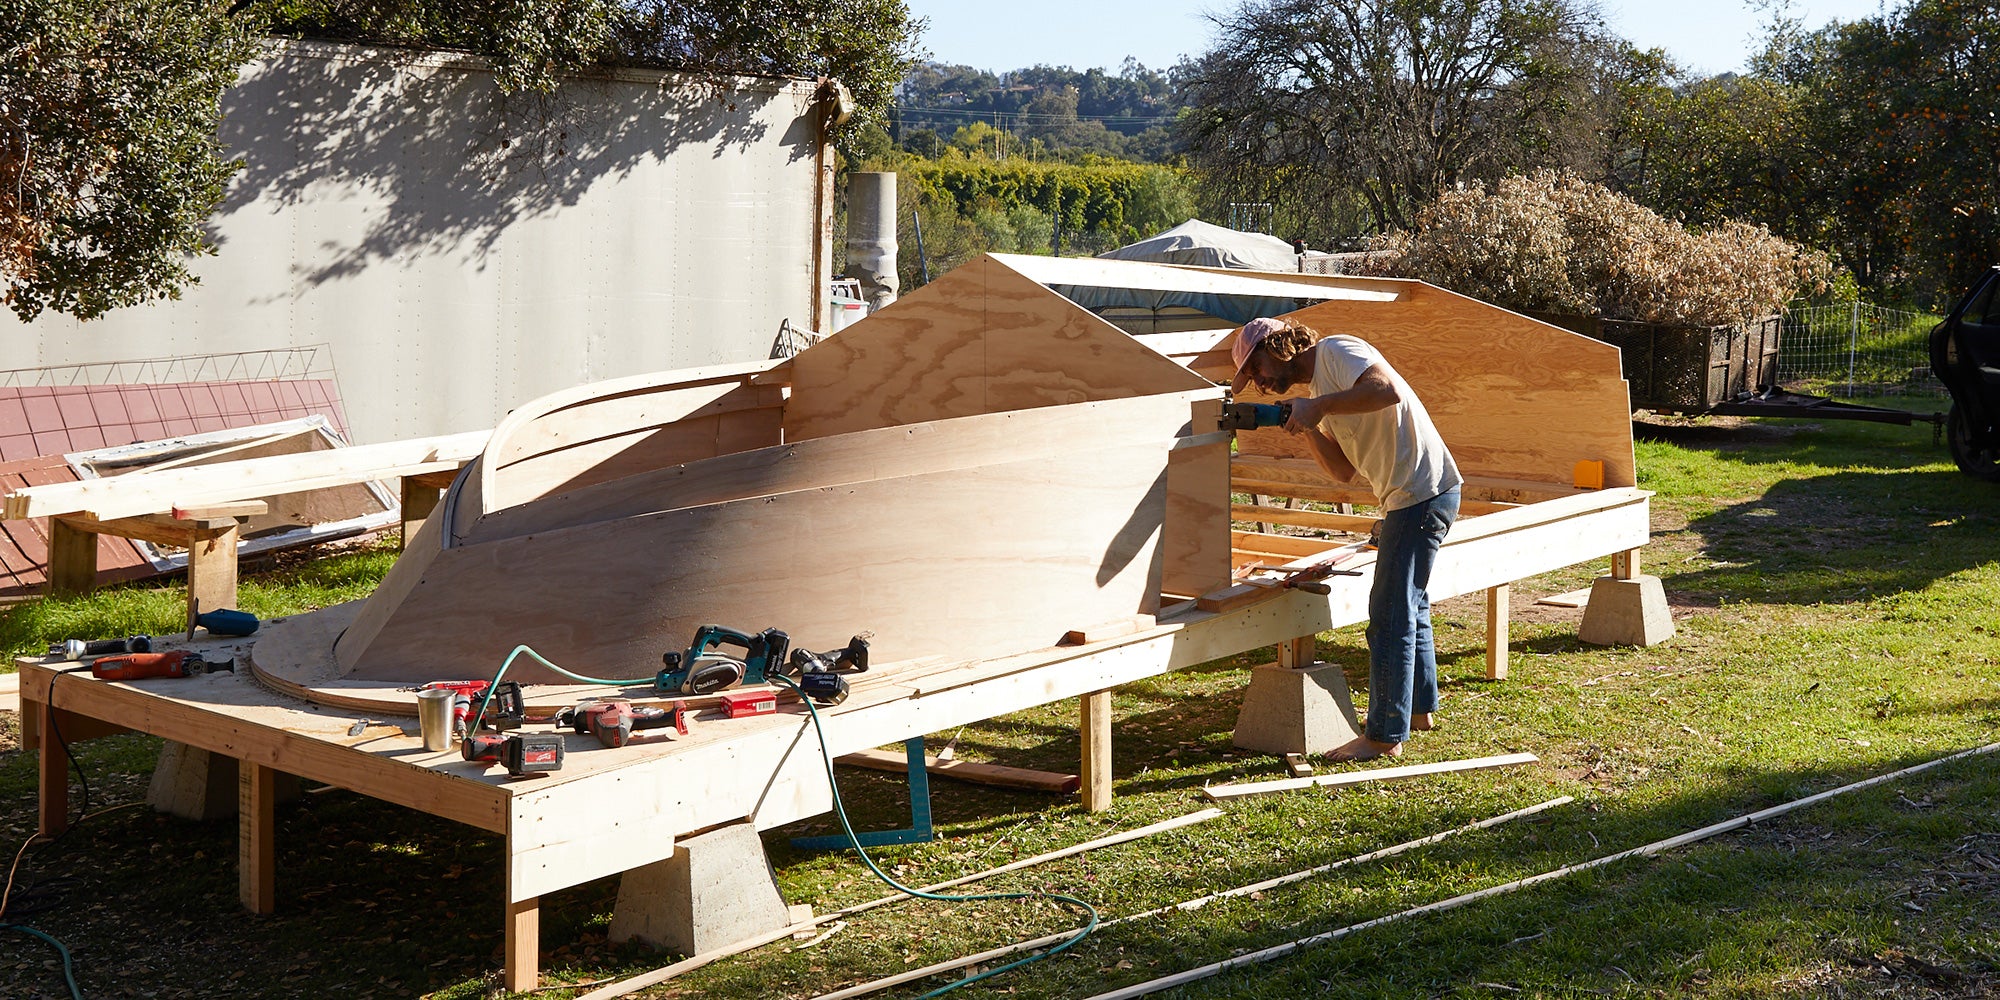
[1222,793]
[661,975]
[1648,850]
[1567,599]
[965,770]
[1114,629]
[1192,904]
[208,512]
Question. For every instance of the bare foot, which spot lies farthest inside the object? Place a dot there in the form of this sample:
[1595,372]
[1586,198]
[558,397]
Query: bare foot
[1422,722]
[1362,748]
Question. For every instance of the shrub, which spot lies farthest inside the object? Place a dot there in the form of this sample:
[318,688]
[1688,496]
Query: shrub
[1550,242]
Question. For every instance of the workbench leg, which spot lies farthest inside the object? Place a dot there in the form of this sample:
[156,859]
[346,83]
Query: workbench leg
[54,769]
[212,570]
[418,502]
[524,941]
[1496,631]
[1625,565]
[256,836]
[1096,730]
[72,559]
[1299,653]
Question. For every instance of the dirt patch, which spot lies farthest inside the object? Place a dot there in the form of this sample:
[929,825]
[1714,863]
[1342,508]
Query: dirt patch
[10,732]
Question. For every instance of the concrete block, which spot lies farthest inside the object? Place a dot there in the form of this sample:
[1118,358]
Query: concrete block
[199,785]
[1630,612]
[1296,710]
[716,890]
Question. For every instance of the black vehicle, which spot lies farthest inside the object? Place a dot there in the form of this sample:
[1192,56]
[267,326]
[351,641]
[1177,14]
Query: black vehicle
[1965,354]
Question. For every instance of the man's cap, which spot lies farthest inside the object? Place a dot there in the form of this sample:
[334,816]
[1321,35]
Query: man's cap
[1247,339]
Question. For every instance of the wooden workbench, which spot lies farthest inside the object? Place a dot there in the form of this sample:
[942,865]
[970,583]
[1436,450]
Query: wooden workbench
[561,829]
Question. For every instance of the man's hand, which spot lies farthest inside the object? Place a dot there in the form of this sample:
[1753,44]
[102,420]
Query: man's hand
[1306,414]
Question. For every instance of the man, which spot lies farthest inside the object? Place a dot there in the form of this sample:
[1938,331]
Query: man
[1363,418]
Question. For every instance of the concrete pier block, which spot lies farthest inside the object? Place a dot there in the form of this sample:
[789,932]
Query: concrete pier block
[716,890]
[1629,612]
[1296,710]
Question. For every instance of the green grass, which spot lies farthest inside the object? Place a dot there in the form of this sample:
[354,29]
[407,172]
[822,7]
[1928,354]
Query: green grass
[1835,591]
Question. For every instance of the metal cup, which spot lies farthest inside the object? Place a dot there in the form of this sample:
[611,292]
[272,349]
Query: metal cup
[434,717]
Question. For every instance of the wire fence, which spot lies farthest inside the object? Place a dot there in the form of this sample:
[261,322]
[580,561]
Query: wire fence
[1857,349]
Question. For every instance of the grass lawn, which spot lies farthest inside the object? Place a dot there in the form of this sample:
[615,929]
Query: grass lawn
[1838,606]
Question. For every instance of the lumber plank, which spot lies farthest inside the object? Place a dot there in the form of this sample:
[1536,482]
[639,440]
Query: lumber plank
[72,558]
[1224,793]
[141,493]
[1096,731]
[1289,546]
[1000,775]
[1107,630]
[1359,524]
[1220,281]
[1497,599]
[257,836]
[210,512]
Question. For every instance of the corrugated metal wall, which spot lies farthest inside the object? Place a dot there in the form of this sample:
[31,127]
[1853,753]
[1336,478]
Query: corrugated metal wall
[395,208]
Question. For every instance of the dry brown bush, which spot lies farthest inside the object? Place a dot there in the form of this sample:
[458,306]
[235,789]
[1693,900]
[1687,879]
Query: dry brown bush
[1550,242]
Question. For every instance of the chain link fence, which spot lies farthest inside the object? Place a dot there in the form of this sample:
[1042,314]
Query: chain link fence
[1857,349]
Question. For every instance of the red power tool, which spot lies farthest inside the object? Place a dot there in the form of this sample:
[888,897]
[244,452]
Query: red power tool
[612,722]
[522,753]
[139,666]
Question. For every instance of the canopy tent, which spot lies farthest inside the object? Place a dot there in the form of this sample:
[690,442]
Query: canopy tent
[1199,244]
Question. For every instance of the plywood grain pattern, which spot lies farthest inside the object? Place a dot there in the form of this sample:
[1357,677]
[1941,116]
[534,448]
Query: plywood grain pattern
[932,446]
[982,339]
[1513,397]
[1195,546]
[965,563]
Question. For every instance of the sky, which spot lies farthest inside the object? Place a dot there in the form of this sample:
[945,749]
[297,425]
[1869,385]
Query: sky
[1709,36]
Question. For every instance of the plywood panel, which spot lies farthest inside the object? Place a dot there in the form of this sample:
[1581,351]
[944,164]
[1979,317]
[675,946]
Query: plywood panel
[982,339]
[1196,542]
[859,456]
[961,564]
[1513,397]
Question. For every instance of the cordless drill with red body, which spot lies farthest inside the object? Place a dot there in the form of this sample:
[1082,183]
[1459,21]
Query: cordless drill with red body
[506,710]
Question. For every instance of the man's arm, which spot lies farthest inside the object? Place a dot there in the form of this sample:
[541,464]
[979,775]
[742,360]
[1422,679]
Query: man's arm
[1372,391]
[1328,453]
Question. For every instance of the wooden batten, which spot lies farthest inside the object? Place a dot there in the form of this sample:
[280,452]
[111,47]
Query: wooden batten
[982,339]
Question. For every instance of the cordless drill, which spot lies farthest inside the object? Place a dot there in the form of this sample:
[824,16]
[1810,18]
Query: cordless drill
[139,666]
[77,649]
[1251,416]
[612,722]
[521,753]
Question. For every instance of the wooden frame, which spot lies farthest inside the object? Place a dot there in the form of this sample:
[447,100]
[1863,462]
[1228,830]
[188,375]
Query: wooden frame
[984,460]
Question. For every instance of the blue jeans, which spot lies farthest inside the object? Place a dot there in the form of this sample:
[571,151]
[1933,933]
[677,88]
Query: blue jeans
[1402,662]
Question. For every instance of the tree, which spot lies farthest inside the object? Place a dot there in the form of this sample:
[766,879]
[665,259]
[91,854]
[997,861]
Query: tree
[1320,105]
[108,108]
[108,160]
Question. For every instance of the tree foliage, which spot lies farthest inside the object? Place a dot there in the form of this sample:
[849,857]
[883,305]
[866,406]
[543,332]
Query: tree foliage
[1550,242]
[108,161]
[1378,106]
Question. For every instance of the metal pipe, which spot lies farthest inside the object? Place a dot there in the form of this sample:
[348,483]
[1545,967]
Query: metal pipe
[871,235]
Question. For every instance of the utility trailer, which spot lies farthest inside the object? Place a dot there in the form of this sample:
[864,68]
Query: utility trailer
[1719,370]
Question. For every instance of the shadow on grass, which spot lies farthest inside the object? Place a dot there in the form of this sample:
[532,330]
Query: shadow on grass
[1846,537]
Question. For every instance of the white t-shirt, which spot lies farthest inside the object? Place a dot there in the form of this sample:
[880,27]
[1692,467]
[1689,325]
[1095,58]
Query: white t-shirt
[1395,448]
